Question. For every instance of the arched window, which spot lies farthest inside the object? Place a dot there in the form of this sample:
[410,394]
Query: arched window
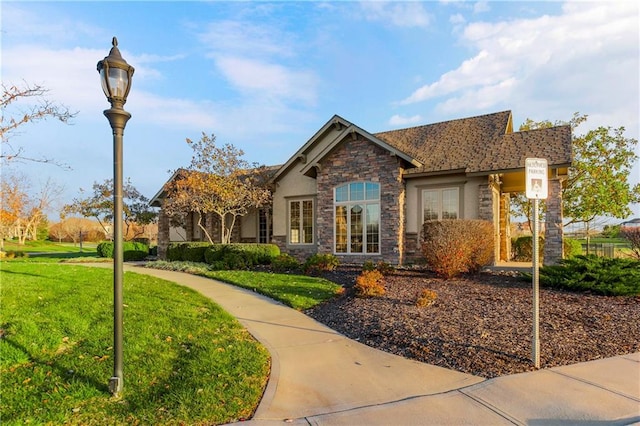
[357,218]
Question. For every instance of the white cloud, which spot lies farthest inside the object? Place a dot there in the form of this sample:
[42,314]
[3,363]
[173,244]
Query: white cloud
[246,39]
[264,79]
[401,14]
[398,120]
[585,59]
[481,7]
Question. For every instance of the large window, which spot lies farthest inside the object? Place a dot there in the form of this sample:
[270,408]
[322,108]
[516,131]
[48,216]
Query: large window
[301,222]
[357,218]
[439,204]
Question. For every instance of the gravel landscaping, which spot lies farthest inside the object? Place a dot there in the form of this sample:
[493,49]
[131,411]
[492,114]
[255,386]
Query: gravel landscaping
[482,324]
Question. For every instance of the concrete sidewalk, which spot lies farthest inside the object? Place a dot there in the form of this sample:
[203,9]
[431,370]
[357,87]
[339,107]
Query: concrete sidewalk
[320,377]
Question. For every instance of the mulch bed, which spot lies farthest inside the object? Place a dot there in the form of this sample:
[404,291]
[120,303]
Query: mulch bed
[482,324]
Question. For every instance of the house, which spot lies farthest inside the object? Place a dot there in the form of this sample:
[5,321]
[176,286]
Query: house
[632,223]
[364,196]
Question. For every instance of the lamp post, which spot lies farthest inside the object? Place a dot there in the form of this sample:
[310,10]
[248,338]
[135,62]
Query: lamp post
[115,75]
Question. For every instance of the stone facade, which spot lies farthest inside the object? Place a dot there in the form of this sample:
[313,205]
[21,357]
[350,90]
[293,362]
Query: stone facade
[361,160]
[553,231]
[163,234]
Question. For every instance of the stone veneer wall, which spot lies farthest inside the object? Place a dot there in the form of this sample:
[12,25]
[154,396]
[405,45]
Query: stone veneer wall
[163,234]
[505,228]
[553,233]
[485,202]
[361,160]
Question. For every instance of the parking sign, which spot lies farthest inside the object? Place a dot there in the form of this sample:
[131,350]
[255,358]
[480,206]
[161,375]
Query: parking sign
[537,184]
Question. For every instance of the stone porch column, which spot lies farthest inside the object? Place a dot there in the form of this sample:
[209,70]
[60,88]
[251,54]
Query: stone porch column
[554,232]
[163,234]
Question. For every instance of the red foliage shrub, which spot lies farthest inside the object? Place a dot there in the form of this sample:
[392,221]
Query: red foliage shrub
[452,247]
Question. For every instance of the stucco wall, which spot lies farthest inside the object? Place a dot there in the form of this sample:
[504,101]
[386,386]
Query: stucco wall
[469,192]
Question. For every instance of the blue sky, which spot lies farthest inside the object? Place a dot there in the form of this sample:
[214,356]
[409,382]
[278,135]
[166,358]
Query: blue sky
[265,76]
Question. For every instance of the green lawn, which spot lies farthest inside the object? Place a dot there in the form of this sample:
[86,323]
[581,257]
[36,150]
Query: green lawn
[48,246]
[297,291]
[186,361]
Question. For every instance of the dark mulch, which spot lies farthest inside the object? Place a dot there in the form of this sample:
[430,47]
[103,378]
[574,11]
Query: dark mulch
[482,324]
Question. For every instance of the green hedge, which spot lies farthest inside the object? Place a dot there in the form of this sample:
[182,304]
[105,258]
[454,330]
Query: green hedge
[131,251]
[252,253]
[190,251]
[223,256]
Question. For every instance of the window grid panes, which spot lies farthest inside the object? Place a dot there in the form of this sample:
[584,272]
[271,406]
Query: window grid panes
[439,204]
[357,218]
[301,222]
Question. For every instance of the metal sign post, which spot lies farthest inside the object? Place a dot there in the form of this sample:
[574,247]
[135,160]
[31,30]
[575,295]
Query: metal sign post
[537,188]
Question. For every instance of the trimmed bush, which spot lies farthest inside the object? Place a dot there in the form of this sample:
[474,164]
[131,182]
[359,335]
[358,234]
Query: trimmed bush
[194,251]
[370,284]
[601,275]
[240,255]
[175,252]
[131,251]
[320,262]
[452,247]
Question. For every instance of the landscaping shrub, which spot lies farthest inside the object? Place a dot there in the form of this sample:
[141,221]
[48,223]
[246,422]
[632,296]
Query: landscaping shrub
[320,262]
[383,267]
[285,262]
[452,247]
[194,251]
[522,248]
[481,243]
[601,275]
[175,252]
[370,284]
[572,248]
[11,254]
[131,251]
[252,253]
[426,298]
[240,255]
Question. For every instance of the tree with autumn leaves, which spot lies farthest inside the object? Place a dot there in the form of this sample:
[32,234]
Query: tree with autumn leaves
[219,182]
[24,209]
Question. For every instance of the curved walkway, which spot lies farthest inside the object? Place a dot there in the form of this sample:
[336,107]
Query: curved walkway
[319,377]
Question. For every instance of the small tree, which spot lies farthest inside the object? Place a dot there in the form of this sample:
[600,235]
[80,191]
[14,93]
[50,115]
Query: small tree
[598,183]
[218,182]
[136,210]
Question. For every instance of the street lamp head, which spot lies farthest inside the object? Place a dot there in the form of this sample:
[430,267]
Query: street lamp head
[115,75]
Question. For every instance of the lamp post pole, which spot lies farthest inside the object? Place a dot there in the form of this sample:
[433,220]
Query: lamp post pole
[116,76]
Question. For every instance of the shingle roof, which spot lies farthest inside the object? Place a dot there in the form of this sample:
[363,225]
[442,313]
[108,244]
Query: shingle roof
[479,144]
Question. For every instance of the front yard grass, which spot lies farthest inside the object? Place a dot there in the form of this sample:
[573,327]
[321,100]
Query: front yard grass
[186,361]
[297,291]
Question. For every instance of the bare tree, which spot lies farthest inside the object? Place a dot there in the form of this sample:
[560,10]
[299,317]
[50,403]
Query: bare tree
[22,104]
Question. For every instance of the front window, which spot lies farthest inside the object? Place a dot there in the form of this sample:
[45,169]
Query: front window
[439,204]
[357,218]
[301,222]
